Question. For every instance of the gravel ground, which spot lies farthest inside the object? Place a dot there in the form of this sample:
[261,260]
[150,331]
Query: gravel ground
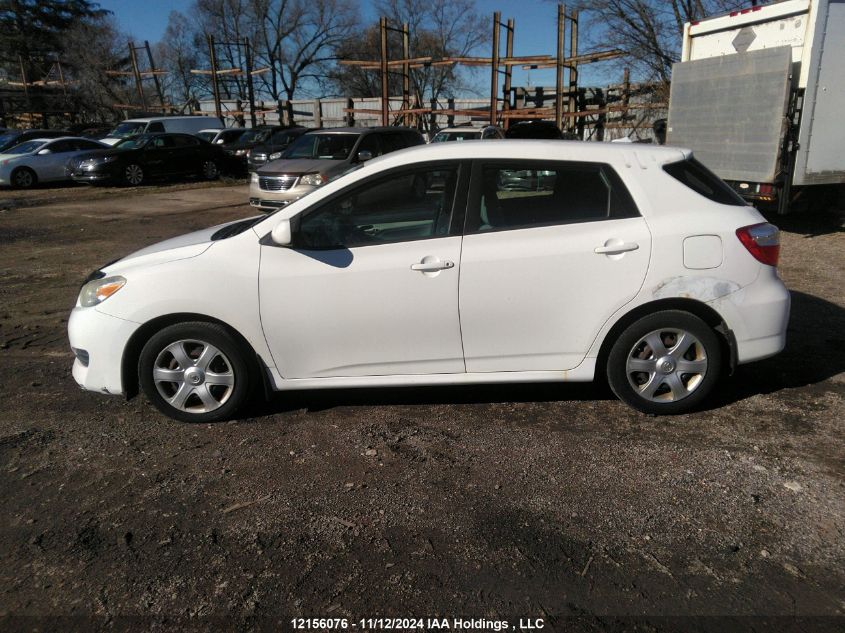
[489,503]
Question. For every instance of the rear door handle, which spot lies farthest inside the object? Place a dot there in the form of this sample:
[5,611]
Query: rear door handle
[431,267]
[615,249]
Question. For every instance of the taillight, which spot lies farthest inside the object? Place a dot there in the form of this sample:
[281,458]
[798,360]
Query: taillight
[762,241]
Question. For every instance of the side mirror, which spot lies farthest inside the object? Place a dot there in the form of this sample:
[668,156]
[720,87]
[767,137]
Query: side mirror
[364,155]
[44,152]
[282,234]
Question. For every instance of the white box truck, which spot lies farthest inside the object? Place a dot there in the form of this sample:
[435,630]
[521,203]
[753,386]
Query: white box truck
[759,95]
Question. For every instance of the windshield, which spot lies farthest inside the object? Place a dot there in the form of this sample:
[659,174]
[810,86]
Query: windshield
[207,136]
[127,129]
[8,136]
[136,142]
[469,135]
[323,146]
[27,147]
[230,136]
[254,136]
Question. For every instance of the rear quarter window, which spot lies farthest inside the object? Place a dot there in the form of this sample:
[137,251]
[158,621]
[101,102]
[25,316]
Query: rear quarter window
[703,181]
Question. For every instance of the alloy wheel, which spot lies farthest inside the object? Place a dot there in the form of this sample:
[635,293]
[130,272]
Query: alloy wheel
[194,376]
[134,174]
[209,170]
[24,179]
[666,365]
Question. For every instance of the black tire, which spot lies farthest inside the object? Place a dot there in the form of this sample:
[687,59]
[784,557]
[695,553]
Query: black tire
[667,390]
[209,170]
[194,338]
[133,175]
[24,178]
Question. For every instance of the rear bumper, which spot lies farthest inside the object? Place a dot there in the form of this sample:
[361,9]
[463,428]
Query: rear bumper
[98,340]
[758,316]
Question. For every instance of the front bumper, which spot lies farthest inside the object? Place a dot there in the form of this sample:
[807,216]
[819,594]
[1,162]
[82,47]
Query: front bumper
[89,176]
[102,338]
[273,200]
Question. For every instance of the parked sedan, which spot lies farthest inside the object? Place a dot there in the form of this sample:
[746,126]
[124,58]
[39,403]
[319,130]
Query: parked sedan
[633,263]
[147,156]
[41,160]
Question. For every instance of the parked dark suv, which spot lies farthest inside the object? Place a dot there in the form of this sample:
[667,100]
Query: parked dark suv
[273,147]
[320,155]
[136,160]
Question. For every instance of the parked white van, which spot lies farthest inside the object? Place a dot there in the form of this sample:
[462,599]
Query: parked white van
[151,125]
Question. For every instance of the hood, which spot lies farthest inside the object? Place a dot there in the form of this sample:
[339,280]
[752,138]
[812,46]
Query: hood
[302,166]
[13,156]
[94,153]
[110,140]
[180,247]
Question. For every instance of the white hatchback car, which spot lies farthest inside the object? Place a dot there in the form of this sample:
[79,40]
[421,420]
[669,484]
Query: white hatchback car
[451,263]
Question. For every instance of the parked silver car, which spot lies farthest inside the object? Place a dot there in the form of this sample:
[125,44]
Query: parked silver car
[42,160]
[317,157]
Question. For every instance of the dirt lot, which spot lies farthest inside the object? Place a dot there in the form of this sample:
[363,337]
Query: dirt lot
[552,502]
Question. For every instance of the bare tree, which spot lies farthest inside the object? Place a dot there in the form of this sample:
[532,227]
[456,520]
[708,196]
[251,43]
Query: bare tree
[649,31]
[91,47]
[439,28]
[177,53]
[293,39]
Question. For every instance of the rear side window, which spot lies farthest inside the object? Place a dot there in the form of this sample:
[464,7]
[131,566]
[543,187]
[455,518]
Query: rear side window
[412,138]
[524,195]
[392,142]
[703,181]
[185,141]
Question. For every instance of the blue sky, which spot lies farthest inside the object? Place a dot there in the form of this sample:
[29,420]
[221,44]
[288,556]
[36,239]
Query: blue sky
[535,31]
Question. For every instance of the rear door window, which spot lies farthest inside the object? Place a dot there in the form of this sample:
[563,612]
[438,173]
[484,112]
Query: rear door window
[185,141]
[528,194]
[703,181]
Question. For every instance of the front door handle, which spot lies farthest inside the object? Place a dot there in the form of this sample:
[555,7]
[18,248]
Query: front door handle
[615,249]
[432,266]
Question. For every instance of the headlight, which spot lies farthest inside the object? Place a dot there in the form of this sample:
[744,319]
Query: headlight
[313,180]
[253,178]
[242,152]
[274,156]
[105,159]
[98,290]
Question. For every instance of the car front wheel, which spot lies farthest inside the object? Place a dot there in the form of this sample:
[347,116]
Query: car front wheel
[195,372]
[133,174]
[210,170]
[24,178]
[665,363]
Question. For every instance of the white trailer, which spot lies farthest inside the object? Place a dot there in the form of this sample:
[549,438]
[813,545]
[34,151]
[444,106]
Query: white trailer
[759,95]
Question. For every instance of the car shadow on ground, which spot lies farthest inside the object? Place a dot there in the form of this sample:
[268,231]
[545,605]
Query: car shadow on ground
[815,339]
[323,400]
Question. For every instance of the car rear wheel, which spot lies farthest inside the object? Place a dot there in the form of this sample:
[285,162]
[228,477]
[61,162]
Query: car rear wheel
[133,174]
[24,178]
[665,363]
[195,372]
[210,170]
